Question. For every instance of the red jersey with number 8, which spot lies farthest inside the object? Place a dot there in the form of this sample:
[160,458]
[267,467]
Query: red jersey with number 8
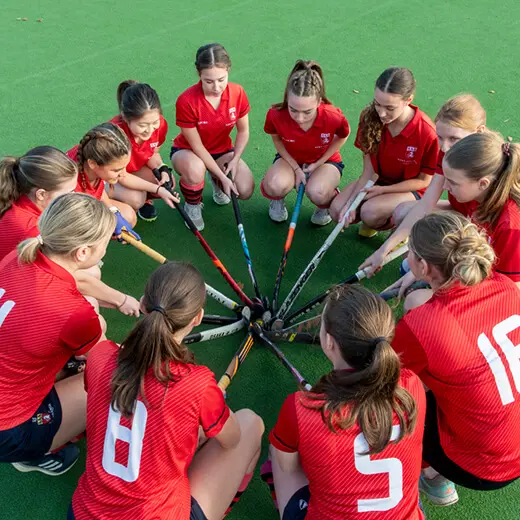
[464,344]
[137,468]
[345,481]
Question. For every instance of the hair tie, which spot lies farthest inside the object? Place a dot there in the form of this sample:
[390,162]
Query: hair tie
[506,149]
[40,240]
[160,309]
[378,340]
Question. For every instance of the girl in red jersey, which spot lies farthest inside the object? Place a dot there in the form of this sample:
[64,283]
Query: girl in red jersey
[206,113]
[399,144]
[147,403]
[141,120]
[44,320]
[351,447]
[28,184]
[307,132]
[462,345]
[459,117]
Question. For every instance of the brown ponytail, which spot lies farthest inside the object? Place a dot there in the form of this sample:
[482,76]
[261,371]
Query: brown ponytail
[394,80]
[305,80]
[487,154]
[43,167]
[362,325]
[174,295]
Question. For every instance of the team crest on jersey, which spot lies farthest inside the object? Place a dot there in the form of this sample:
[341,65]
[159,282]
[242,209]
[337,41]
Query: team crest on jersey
[410,152]
[154,145]
[42,418]
[325,138]
[233,113]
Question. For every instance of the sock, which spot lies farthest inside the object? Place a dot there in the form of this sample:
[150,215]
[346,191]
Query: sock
[243,485]
[270,197]
[192,194]
[429,473]
[266,474]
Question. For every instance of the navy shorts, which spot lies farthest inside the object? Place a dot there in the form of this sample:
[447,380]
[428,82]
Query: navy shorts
[296,508]
[215,156]
[339,165]
[196,512]
[33,438]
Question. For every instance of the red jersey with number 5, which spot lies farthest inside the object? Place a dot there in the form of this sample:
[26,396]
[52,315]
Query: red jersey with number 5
[137,468]
[464,344]
[344,480]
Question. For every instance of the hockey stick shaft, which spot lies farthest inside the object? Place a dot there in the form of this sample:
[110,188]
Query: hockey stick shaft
[237,360]
[287,246]
[313,264]
[219,332]
[213,293]
[218,264]
[351,279]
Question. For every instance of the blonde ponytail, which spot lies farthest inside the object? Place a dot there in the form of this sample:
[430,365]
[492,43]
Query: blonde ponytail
[71,221]
[8,185]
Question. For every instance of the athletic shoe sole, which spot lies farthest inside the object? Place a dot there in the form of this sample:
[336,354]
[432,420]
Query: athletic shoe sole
[439,501]
[27,469]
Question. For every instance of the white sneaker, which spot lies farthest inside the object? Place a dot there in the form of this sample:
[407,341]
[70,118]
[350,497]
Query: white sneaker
[194,211]
[219,197]
[278,211]
[321,217]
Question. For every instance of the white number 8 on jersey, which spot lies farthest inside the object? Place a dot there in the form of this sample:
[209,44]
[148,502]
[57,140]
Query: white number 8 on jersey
[133,436]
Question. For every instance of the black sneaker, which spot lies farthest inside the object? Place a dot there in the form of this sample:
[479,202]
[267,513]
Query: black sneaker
[52,464]
[147,212]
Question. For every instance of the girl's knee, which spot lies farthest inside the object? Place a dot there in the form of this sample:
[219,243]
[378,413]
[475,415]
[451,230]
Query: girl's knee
[416,299]
[129,214]
[401,211]
[319,195]
[250,422]
[135,199]
[246,187]
[275,186]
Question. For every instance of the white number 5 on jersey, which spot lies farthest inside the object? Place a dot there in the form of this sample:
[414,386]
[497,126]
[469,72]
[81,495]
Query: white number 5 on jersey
[134,438]
[392,467]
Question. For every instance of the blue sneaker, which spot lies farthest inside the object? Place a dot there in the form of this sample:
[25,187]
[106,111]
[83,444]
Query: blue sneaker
[439,490]
[52,464]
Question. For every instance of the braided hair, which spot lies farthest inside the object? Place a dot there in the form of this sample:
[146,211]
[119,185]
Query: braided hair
[305,80]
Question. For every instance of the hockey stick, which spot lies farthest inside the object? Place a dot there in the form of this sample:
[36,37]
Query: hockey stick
[219,332]
[237,360]
[287,246]
[218,264]
[280,355]
[313,264]
[360,275]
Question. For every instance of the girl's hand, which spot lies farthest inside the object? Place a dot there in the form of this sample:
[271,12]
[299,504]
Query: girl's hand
[168,197]
[228,186]
[129,307]
[374,191]
[351,217]
[299,178]
[403,283]
[373,263]
[232,167]
[166,177]
[309,168]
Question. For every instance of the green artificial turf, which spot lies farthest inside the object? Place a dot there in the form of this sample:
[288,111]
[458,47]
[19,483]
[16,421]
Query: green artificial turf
[58,79]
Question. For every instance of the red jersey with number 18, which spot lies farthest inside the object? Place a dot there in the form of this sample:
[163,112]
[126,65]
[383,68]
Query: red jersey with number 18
[19,222]
[471,365]
[344,480]
[137,468]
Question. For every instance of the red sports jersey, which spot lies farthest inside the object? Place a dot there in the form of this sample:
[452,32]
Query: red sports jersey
[306,147]
[44,320]
[403,157]
[345,481]
[141,153]
[138,468]
[19,222]
[465,208]
[471,365]
[193,110]
[84,185]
